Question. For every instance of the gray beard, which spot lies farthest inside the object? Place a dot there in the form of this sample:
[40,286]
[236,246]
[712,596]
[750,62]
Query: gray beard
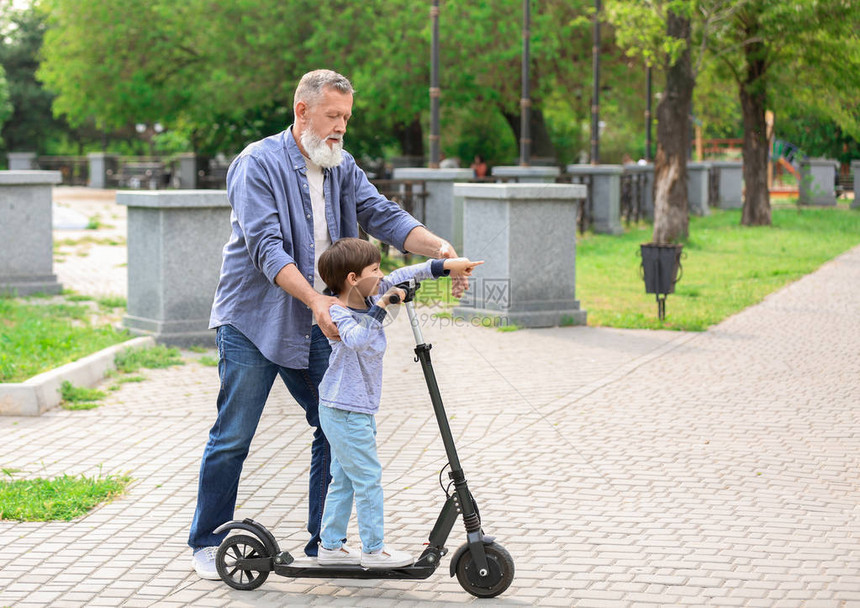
[318,150]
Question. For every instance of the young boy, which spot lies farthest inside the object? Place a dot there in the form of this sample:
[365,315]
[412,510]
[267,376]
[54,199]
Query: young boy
[350,392]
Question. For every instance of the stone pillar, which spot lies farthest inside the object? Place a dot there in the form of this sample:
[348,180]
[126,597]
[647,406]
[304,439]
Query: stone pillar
[175,240]
[443,214]
[855,169]
[605,196]
[526,234]
[187,171]
[731,184]
[697,187]
[22,161]
[527,175]
[646,171]
[103,170]
[818,182]
[26,232]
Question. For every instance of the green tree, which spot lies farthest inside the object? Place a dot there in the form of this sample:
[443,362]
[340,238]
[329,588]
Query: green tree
[662,33]
[28,108]
[5,105]
[218,71]
[800,58]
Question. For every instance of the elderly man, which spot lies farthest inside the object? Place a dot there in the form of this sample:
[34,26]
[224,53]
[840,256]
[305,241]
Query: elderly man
[292,195]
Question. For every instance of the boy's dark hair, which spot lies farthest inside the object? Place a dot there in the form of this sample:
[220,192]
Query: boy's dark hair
[345,256]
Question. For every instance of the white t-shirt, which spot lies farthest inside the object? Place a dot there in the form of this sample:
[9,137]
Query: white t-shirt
[322,238]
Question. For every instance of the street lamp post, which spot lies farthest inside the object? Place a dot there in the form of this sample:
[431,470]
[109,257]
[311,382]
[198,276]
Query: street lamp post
[595,94]
[435,92]
[525,100]
[648,113]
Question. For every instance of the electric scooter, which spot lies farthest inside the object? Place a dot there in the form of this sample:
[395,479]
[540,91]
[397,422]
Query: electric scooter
[483,567]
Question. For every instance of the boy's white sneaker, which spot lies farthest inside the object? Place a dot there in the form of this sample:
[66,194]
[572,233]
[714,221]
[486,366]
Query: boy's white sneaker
[342,556]
[386,559]
[203,562]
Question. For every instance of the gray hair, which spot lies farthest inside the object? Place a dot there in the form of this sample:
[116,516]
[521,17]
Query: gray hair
[313,83]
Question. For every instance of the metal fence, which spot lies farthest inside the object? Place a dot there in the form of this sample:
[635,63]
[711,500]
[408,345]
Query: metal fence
[585,212]
[75,170]
[140,173]
[632,201]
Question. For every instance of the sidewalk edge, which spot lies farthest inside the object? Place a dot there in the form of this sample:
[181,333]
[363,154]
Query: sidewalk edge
[40,393]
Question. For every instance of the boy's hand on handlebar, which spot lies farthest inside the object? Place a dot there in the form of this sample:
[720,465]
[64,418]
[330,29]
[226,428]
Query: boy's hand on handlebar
[395,295]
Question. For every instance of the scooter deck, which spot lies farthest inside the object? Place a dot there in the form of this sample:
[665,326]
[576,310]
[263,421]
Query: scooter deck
[307,567]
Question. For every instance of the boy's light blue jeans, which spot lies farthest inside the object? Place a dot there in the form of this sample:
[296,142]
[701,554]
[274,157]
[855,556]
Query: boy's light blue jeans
[355,472]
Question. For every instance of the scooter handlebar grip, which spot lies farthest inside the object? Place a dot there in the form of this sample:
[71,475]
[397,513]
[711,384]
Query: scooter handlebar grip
[394,299]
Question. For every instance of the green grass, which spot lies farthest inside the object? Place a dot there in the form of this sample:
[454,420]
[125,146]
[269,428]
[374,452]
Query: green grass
[79,397]
[208,361]
[127,362]
[726,267]
[111,302]
[130,360]
[62,498]
[36,336]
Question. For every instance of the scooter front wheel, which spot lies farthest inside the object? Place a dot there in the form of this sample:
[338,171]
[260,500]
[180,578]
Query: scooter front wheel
[236,548]
[499,577]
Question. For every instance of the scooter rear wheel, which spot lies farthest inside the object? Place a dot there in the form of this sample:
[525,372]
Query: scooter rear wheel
[499,578]
[230,552]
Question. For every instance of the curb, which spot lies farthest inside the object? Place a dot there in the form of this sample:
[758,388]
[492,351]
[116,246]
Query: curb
[40,393]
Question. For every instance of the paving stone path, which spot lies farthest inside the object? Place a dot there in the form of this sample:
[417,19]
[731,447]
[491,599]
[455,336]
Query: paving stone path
[619,468]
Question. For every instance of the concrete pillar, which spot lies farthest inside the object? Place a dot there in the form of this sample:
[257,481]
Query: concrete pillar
[187,171]
[605,196]
[22,161]
[26,232]
[443,214]
[697,188]
[645,174]
[103,170]
[527,175]
[855,169]
[526,234]
[730,184]
[818,182]
[175,240]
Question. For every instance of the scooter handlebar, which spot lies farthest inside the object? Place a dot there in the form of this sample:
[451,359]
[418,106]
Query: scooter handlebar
[410,287]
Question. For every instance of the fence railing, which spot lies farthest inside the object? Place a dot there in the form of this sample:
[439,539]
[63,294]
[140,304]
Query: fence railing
[632,201]
[74,169]
[585,213]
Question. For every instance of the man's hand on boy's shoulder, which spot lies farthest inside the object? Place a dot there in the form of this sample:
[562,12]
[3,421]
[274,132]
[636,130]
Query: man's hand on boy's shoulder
[320,308]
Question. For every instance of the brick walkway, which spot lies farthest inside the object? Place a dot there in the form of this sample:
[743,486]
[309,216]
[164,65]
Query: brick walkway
[619,468]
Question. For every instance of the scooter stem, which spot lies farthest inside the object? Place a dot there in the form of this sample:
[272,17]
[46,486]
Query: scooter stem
[422,352]
[413,321]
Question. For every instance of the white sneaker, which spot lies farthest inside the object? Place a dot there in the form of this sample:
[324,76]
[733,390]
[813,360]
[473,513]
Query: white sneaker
[204,563]
[386,559]
[342,556]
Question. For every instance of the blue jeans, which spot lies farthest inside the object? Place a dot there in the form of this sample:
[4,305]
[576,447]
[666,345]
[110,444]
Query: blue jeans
[246,380]
[355,472]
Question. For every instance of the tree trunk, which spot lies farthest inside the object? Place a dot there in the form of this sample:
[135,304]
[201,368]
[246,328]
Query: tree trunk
[671,213]
[753,94]
[411,138]
[541,146]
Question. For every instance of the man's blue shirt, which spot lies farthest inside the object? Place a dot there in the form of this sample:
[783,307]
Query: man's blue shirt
[273,226]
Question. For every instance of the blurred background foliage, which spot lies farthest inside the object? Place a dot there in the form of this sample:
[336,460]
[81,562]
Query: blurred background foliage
[81,75]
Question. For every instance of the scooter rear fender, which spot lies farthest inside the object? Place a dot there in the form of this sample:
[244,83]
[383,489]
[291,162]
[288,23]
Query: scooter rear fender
[255,528]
